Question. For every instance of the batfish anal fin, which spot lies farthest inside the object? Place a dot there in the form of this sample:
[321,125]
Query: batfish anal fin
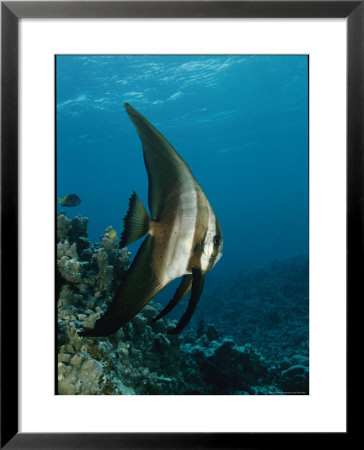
[136,221]
[138,286]
[198,279]
[166,169]
[181,291]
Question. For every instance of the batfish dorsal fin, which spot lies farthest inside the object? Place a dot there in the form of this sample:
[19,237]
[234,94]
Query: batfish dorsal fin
[136,222]
[138,286]
[166,169]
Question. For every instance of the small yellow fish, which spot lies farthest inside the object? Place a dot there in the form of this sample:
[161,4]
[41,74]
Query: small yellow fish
[112,234]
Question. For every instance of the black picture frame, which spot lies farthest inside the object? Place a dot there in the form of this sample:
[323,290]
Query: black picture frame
[11,12]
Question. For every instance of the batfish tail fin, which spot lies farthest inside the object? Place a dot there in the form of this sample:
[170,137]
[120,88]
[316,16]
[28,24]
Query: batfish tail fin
[138,286]
[136,222]
[181,291]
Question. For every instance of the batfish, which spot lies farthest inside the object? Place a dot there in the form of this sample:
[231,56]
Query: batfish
[184,237]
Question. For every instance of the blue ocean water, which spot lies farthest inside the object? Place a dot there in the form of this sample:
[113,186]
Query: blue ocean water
[239,121]
[241,124]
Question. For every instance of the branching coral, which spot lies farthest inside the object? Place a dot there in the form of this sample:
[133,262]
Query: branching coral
[67,262]
[63,226]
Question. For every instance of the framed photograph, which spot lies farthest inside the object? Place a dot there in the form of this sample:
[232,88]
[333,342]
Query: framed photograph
[181,221]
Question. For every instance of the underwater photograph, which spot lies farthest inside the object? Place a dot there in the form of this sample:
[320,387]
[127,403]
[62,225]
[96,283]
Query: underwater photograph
[182,224]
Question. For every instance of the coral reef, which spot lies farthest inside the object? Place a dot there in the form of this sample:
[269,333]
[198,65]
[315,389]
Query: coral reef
[227,368]
[294,376]
[219,354]
[267,307]
[139,358]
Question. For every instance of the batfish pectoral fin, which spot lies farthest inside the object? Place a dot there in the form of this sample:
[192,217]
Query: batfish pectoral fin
[136,221]
[198,279]
[138,286]
[182,290]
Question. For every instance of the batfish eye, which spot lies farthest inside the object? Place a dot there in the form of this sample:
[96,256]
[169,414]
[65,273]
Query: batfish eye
[216,239]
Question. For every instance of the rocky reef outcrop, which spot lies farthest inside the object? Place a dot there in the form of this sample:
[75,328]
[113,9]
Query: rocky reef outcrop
[225,368]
